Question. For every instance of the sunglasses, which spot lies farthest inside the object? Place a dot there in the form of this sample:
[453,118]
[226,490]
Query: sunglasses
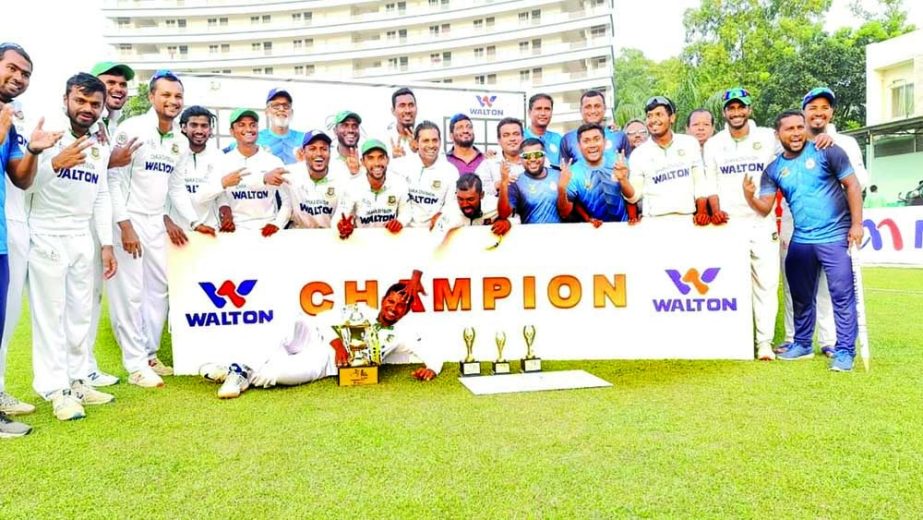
[659,101]
[637,132]
[529,156]
[735,93]
[164,74]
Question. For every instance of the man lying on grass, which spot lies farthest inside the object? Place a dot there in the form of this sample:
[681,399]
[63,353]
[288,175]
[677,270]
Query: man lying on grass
[312,353]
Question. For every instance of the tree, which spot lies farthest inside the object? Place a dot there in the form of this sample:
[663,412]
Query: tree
[137,104]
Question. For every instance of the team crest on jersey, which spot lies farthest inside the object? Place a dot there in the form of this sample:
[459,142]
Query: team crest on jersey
[784,172]
[809,164]
[175,149]
[331,191]
[757,145]
[94,152]
[437,184]
[392,200]
[19,115]
[121,139]
[681,152]
[532,188]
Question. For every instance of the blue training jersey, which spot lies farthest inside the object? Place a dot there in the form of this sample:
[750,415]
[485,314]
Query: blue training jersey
[536,200]
[9,150]
[552,143]
[597,192]
[615,142]
[282,147]
[810,184]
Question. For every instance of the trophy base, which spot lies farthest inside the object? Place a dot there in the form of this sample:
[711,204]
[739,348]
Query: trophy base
[532,364]
[357,376]
[502,367]
[470,368]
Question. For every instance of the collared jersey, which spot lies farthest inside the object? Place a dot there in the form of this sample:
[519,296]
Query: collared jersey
[155,171]
[668,179]
[253,203]
[313,201]
[453,217]
[616,142]
[197,169]
[9,150]
[535,200]
[63,202]
[462,166]
[729,160]
[489,172]
[375,208]
[596,190]
[552,145]
[810,184]
[428,187]
[282,146]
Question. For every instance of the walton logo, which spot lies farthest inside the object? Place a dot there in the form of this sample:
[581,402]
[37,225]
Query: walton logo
[228,292]
[486,103]
[685,283]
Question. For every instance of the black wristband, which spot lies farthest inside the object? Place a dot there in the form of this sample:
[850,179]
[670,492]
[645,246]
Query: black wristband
[30,150]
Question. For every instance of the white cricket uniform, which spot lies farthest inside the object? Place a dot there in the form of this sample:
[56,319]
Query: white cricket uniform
[727,162]
[668,180]
[138,295]
[826,327]
[60,207]
[313,201]
[374,208]
[17,236]
[198,167]
[428,187]
[252,202]
[489,172]
[453,217]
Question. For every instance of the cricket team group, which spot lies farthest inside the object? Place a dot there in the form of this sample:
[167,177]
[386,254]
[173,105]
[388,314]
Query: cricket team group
[91,199]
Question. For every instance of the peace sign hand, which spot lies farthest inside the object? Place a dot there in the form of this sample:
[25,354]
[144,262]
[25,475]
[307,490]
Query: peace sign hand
[71,155]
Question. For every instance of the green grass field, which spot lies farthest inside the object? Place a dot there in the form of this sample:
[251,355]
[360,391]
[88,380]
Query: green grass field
[719,439]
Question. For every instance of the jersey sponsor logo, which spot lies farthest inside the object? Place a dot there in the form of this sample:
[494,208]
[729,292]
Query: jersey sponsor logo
[192,188]
[250,194]
[228,293]
[157,166]
[487,101]
[422,199]
[376,218]
[315,209]
[691,280]
[741,168]
[78,175]
[670,175]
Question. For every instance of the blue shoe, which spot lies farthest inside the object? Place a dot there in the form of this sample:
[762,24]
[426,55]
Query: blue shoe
[782,348]
[797,351]
[842,361]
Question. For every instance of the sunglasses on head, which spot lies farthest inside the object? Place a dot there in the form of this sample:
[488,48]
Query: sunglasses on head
[658,101]
[537,154]
[735,93]
[164,74]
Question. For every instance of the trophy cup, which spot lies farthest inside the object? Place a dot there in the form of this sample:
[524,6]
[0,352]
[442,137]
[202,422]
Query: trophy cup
[530,363]
[360,339]
[501,366]
[469,367]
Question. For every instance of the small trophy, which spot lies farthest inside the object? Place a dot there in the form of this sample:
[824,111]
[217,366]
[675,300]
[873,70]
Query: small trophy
[530,363]
[501,366]
[469,367]
[360,339]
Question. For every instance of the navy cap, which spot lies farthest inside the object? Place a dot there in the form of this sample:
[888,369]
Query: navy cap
[276,92]
[815,93]
[313,135]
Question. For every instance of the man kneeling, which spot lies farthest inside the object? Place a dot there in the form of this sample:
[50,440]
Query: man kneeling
[313,353]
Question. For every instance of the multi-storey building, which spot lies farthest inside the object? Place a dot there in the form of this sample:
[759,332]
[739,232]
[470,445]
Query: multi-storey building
[562,47]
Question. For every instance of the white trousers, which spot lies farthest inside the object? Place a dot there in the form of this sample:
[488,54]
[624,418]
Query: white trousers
[17,235]
[138,294]
[299,359]
[60,291]
[826,328]
[764,273]
[97,303]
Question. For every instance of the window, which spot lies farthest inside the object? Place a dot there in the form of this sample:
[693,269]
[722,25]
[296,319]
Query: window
[267,48]
[256,46]
[398,63]
[523,17]
[447,80]
[523,76]
[434,30]
[491,51]
[902,100]
[308,17]
[391,35]
[181,23]
[479,52]
[537,46]
[254,20]
[479,80]
[489,21]
[598,62]
[123,22]
[125,48]
[389,8]
[598,31]
[491,79]
[446,59]
[296,17]
[213,22]
[226,71]
[478,24]
[225,47]
[309,70]
[183,49]
[268,70]
[257,71]
[446,28]
[223,21]
[402,35]
[297,44]
[537,75]
[435,58]
[213,49]
[523,47]
[171,49]
[401,7]
[299,70]
[536,16]
[309,42]
[267,18]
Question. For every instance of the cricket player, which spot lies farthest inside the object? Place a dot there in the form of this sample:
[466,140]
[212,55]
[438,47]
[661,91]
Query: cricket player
[590,186]
[509,135]
[139,191]
[826,204]
[69,194]
[534,195]
[313,187]
[379,201]
[346,127]
[744,150]
[464,155]
[249,177]
[428,176]
[541,108]
[400,131]
[472,207]
[314,351]
[593,110]
[279,139]
[818,106]
[666,171]
[200,161]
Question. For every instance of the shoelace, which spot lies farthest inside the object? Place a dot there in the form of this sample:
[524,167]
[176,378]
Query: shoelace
[4,419]
[7,400]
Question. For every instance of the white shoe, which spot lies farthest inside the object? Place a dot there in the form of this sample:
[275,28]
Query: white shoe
[764,352]
[159,368]
[89,395]
[238,380]
[145,379]
[214,372]
[66,406]
[100,379]
[12,406]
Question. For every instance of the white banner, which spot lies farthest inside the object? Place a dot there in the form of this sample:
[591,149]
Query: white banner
[656,290]
[893,236]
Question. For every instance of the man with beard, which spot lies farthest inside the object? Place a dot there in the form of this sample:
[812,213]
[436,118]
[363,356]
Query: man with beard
[379,201]
[139,191]
[312,187]
[636,132]
[532,196]
[509,135]
[826,204]
[315,352]
[464,155]
[429,178]
[591,186]
[593,110]
[200,160]
[700,123]
[472,207]
[666,171]
[70,193]
[737,152]
[248,177]
[346,127]
[400,131]
[541,107]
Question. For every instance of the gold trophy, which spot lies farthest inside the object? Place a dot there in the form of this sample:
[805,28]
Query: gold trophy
[530,363]
[360,339]
[469,367]
[501,366]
